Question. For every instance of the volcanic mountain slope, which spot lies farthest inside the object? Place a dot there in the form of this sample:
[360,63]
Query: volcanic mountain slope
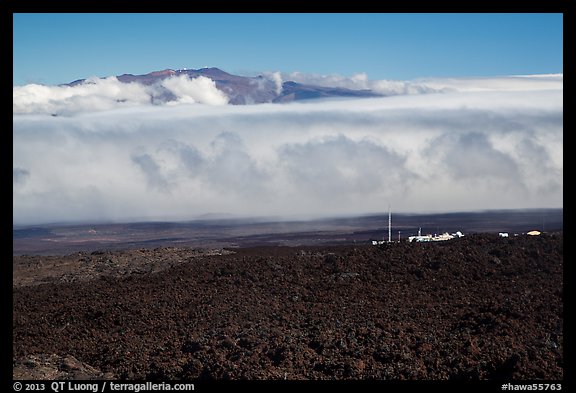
[243,90]
[480,307]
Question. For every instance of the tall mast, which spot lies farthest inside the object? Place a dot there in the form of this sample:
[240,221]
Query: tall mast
[389,224]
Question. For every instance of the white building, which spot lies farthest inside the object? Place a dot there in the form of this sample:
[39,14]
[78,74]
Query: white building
[436,238]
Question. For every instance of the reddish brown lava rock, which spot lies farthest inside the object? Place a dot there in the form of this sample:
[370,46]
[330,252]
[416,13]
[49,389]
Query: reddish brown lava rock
[480,307]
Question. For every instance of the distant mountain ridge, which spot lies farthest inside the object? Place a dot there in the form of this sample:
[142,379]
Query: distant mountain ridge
[242,90]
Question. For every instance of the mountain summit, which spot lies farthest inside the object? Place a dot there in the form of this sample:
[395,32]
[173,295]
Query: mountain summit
[242,90]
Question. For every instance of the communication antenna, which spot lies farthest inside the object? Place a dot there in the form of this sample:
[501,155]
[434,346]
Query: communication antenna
[389,224]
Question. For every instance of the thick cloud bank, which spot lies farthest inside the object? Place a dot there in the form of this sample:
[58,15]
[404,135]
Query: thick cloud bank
[97,94]
[481,144]
[426,85]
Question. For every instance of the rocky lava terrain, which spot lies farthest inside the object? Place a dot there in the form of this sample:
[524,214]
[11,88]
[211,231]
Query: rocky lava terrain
[480,307]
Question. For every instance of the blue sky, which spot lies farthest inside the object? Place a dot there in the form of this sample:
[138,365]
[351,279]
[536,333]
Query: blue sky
[59,48]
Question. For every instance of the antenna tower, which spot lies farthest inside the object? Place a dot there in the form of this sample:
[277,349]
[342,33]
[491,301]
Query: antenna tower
[389,224]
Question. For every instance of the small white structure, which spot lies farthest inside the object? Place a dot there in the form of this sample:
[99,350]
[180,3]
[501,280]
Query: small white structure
[435,238]
[442,237]
[420,238]
[503,234]
[427,238]
[533,233]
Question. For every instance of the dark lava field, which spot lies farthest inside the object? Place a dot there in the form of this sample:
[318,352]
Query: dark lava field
[479,307]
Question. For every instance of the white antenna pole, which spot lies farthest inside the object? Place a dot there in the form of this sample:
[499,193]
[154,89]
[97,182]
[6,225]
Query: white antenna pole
[389,224]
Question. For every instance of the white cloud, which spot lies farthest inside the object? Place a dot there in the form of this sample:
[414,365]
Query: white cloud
[96,94]
[276,77]
[200,90]
[101,94]
[431,85]
[19,176]
[93,95]
[503,83]
[475,149]
[357,81]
